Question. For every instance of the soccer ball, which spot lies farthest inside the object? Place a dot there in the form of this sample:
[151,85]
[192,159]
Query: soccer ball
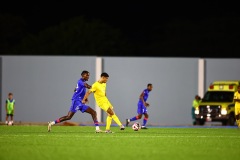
[136,126]
[10,123]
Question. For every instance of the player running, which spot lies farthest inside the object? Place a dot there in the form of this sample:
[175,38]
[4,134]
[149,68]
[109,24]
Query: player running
[142,107]
[77,104]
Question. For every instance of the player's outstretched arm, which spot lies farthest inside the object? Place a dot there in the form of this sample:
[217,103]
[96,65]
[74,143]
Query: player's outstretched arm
[87,86]
[85,98]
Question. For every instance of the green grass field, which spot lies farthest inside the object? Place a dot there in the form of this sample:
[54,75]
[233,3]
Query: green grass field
[82,143]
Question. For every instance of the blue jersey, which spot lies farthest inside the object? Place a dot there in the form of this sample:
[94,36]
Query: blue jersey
[145,96]
[141,108]
[80,90]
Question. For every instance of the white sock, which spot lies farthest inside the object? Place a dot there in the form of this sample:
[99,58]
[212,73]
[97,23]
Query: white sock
[97,128]
[6,122]
[52,123]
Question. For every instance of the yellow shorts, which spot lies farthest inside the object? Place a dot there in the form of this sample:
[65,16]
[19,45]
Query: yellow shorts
[105,105]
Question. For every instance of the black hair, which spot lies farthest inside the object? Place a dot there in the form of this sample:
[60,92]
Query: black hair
[84,72]
[104,74]
[149,84]
[197,96]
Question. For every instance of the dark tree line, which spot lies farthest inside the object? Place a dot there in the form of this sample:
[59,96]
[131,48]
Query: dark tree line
[208,37]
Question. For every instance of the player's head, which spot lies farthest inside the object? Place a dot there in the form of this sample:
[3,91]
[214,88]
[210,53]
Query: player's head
[149,86]
[104,74]
[85,75]
[104,77]
[239,88]
[197,97]
[10,95]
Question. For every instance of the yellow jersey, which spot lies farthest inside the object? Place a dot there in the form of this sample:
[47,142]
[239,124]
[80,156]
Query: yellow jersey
[99,91]
[237,96]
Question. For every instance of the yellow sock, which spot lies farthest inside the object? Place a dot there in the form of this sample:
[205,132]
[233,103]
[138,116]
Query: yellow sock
[116,119]
[109,122]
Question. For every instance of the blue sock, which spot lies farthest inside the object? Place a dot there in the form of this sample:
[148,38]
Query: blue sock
[145,121]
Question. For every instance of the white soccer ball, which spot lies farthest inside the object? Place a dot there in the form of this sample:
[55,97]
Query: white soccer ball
[136,126]
[9,123]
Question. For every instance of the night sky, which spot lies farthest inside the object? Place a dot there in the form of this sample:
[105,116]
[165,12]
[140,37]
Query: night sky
[135,20]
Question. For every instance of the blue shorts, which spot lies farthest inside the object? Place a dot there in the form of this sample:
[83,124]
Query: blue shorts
[141,109]
[78,105]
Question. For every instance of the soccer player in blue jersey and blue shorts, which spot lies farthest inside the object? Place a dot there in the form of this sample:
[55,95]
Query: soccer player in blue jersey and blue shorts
[77,104]
[142,107]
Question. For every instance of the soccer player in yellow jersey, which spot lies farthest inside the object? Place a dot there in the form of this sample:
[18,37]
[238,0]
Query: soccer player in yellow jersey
[99,91]
[237,105]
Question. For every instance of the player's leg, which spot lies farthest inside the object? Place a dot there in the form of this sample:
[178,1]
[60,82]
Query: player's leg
[11,118]
[139,116]
[93,113]
[61,119]
[108,123]
[71,112]
[145,119]
[65,118]
[237,119]
[238,122]
[104,106]
[112,115]
[237,116]
[6,122]
[193,116]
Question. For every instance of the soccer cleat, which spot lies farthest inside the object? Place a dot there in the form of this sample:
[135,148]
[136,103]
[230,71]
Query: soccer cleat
[108,131]
[122,127]
[144,127]
[49,126]
[98,131]
[127,122]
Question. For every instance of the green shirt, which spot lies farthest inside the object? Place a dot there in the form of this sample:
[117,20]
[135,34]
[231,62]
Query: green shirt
[195,103]
[10,105]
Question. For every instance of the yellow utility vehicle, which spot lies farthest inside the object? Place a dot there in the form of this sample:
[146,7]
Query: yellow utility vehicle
[217,104]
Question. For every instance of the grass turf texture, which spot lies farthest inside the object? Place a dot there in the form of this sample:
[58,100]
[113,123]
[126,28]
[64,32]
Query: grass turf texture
[82,143]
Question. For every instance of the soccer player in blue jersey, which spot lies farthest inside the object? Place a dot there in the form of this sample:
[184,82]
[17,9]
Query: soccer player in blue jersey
[77,104]
[142,107]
